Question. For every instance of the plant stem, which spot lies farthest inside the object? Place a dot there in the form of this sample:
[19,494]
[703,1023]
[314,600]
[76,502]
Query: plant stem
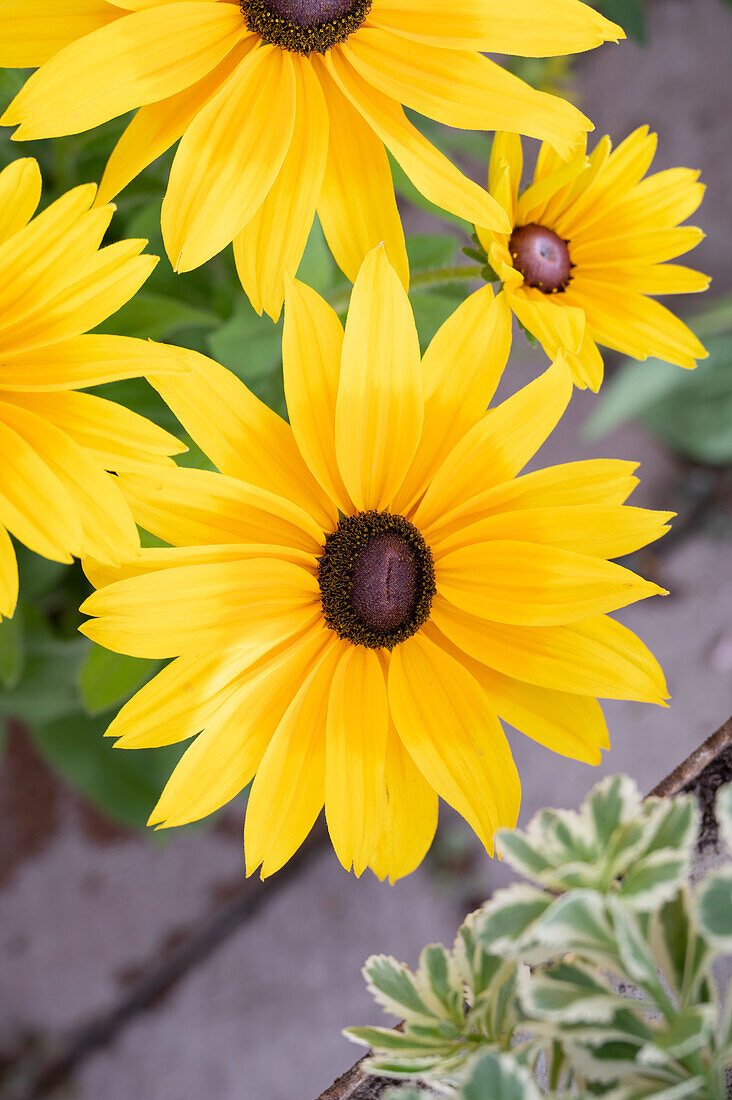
[420,280]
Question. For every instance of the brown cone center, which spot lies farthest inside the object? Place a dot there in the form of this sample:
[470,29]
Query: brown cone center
[542,257]
[385,580]
[310,13]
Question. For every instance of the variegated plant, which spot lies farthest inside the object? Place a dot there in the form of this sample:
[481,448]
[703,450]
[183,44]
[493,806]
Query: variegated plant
[594,980]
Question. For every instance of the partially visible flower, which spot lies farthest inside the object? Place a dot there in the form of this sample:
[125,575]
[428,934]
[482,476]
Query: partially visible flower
[588,244]
[360,594]
[57,444]
[283,107]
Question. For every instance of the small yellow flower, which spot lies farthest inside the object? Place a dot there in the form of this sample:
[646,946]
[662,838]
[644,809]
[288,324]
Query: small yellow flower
[587,245]
[360,594]
[57,444]
[283,107]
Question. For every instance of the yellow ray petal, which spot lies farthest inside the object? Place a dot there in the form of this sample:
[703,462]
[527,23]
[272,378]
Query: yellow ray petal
[430,171]
[532,205]
[591,482]
[223,759]
[586,364]
[650,246]
[312,341]
[355,756]
[111,278]
[192,507]
[87,360]
[20,193]
[153,54]
[663,199]
[505,169]
[499,445]
[34,505]
[598,657]
[461,89]
[556,325]
[157,126]
[108,529]
[461,370]
[380,407]
[357,206]
[198,608]
[8,575]
[241,435]
[601,530]
[289,788]
[654,278]
[534,584]
[410,819]
[102,426]
[272,243]
[528,28]
[149,559]
[34,32]
[229,157]
[446,724]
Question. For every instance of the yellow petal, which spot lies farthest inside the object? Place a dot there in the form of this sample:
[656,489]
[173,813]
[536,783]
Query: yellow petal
[241,435]
[532,205]
[444,719]
[528,28]
[34,32]
[531,584]
[229,157]
[152,55]
[380,406]
[656,278]
[461,89]
[192,507]
[650,246]
[20,193]
[355,755]
[8,575]
[312,342]
[108,529]
[225,756]
[87,360]
[430,171]
[505,169]
[556,325]
[357,206]
[157,126]
[601,530]
[272,243]
[499,445]
[663,199]
[461,370]
[598,657]
[198,608]
[586,364]
[410,819]
[289,788]
[34,504]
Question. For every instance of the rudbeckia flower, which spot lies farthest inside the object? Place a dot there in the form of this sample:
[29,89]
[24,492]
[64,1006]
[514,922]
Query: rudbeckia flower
[288,106]
[587,245]
[359,595]
[57,444]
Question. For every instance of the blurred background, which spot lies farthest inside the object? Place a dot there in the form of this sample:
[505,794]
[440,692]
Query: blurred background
[140,964]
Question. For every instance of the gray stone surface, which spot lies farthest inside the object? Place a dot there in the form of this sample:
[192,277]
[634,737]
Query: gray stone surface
[85,910]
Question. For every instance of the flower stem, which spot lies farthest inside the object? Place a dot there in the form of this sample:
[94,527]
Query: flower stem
[420,280]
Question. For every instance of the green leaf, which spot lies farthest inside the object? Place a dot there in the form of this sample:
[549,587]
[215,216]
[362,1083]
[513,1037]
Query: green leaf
[317,266]
[12,651]
[429,251]
[565,993]
[124,785]
[157,317]
[509,918]
[655,879]
[714,907]
[610,804]
[578,922]
[389,1040]
[680,1037]
[108,678]
[47,688]
[677,946]
[248,345]
[394,987]
[498,1077]
[629,14]
[431,310]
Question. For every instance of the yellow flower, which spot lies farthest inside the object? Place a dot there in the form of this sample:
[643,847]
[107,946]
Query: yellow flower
[286,106]
[57,444]
[587,245]
[360,594]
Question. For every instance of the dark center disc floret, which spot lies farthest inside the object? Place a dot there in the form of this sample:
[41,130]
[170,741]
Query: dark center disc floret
[376,579]
[304,26]
[542,257]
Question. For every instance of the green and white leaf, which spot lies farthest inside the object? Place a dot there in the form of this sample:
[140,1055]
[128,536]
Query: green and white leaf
[714,908]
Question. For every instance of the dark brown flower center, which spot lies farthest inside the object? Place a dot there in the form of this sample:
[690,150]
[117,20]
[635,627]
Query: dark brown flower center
[304,26]
[376,579]
[542,257]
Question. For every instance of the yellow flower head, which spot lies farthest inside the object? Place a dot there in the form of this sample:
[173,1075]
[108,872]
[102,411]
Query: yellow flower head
[57,444]
[286,106]
[360,594]
[587,245]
